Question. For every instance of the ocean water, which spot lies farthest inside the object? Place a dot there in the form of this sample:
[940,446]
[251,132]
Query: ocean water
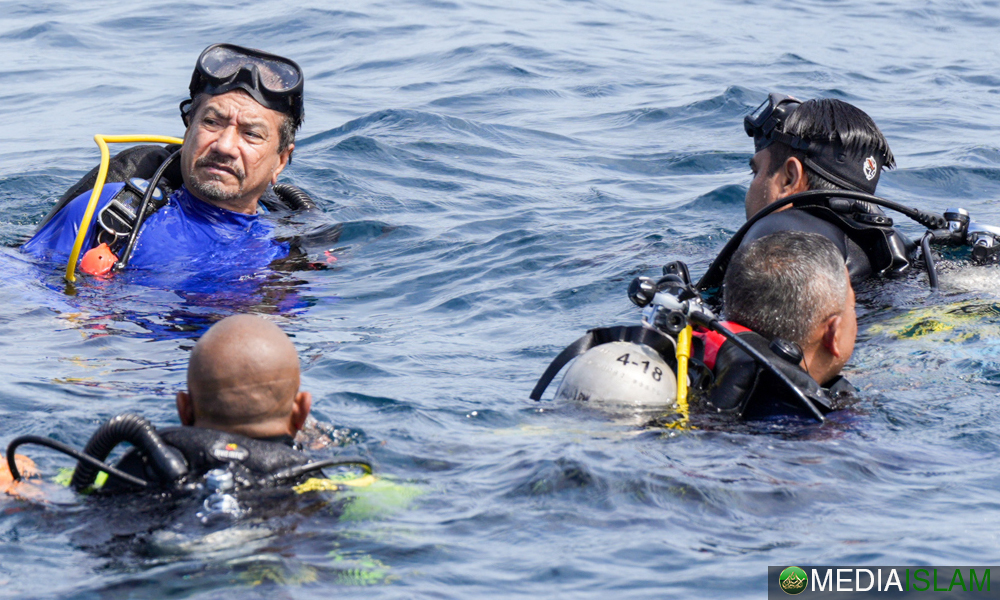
[492,175]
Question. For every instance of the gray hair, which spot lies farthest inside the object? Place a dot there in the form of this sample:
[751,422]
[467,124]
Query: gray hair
[785,284]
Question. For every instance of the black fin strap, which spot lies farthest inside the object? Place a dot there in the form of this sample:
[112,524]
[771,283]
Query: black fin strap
[636,334]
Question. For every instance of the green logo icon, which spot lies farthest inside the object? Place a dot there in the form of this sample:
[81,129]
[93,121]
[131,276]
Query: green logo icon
[793,580]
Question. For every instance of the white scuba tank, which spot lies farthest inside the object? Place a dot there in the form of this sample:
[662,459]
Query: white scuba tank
[620,375]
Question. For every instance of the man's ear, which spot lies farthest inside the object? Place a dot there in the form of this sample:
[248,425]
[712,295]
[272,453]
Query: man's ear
[283,159]
[300,410]
[793,177]
[185,408]
[831,335]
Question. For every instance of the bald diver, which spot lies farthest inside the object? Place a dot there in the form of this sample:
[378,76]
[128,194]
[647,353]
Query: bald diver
[240,414]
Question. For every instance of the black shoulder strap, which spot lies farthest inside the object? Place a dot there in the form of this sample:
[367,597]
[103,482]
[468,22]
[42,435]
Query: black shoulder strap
[637,334]
[887,251]
[752,392]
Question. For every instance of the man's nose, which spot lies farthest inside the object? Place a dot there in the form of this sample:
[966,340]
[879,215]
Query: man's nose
[228,141]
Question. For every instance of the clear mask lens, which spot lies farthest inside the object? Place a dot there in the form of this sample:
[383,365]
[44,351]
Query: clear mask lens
[276,76]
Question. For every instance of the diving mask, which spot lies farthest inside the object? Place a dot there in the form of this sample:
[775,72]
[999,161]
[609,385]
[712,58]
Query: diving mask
[273,81]
[849,168]
[768,120]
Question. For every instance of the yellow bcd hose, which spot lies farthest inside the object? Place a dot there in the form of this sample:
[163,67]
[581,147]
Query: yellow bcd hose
[102,174]
[683,354]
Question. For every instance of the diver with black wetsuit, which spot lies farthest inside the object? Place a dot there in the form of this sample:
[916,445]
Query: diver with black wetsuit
[239,416]
[822,144]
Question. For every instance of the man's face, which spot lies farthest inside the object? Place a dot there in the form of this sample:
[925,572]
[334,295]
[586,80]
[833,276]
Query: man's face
[848,326]
[230,152]
[764,189]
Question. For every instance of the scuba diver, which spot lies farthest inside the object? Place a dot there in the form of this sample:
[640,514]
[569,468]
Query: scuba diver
[790,328]
[199,203]
[239,415]
[819,145]
[789,295]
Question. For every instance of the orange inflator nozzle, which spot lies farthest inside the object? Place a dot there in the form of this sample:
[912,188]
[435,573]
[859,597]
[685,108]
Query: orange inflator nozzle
[98,260]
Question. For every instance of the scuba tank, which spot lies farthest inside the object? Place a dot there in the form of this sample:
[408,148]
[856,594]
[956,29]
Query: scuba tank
[624,379]
[632,368]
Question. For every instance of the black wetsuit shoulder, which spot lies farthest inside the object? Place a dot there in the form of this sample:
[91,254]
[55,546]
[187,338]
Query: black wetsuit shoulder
[742,387]
[794,219]
[867,249]
[205,449]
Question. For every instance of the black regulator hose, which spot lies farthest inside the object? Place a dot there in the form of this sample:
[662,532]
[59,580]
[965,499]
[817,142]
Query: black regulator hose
[713,276]
[139,432]
[925,247]
[69,450]
[295,197]
[713,323]
[299,471]
[140,216]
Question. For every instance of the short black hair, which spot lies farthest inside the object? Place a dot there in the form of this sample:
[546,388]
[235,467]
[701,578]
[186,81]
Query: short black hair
[286,131]
[828,120]
[782,285]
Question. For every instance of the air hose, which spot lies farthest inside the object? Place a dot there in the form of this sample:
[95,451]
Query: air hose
[70,451]
[139,432]
[925,247]
[683,354]
[295,197]
[296,472]
[713,276]
[102,174]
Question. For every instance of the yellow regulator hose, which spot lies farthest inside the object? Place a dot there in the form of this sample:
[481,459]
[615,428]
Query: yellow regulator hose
[683,354]
[102,174]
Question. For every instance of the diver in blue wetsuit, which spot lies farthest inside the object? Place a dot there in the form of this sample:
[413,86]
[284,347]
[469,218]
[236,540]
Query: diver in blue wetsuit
[241,119]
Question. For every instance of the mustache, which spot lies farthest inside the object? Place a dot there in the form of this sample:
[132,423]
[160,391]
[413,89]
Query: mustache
[219,162]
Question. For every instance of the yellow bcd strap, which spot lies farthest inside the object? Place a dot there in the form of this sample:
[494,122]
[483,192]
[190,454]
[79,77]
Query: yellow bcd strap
[102,174]
[317,484]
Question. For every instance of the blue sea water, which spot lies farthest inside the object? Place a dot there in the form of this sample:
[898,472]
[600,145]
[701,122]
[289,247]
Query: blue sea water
[492,175]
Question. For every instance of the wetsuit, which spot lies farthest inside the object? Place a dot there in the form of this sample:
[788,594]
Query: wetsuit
[186,234]
[248,459]
[743,387]
[868,249]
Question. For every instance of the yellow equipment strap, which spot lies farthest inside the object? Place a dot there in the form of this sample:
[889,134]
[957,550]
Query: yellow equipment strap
[102,174]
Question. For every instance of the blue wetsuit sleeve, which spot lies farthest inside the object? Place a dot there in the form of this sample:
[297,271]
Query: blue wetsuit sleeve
[55,240]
